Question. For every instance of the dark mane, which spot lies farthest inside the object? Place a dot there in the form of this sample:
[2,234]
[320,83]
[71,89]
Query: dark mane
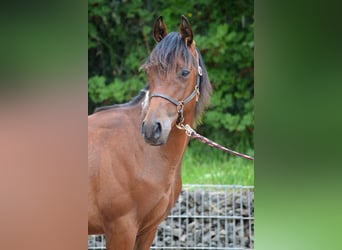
[205,90]
[134,101]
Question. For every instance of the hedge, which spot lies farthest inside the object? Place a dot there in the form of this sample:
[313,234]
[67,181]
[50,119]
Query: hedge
[120,39]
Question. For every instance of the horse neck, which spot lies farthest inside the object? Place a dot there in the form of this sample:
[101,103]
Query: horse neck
[178,141]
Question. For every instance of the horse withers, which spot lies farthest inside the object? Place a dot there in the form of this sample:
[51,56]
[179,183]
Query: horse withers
[135,150]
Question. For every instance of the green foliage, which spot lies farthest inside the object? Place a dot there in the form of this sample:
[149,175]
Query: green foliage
[120,38]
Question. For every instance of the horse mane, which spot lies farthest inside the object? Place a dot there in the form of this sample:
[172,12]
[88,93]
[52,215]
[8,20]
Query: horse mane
[205,89]
[132,102]
[164,56]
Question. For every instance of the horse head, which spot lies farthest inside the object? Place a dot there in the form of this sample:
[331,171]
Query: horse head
[174,75]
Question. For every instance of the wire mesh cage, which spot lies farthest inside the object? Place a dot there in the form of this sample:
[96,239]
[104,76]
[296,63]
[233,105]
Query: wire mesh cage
[205,217]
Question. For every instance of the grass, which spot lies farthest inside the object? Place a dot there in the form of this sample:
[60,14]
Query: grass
[206,165]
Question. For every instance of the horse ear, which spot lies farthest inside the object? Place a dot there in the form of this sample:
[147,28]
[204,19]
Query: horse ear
[186,31]
[159,30]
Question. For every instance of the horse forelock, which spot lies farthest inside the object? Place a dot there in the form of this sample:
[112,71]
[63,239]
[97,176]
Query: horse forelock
[166,54]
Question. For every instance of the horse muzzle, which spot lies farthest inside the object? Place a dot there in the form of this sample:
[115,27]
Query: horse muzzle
[156,133]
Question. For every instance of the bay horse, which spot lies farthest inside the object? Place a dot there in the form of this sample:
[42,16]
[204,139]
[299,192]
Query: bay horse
[135,150]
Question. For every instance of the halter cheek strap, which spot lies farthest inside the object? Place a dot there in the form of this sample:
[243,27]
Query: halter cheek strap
[180,104]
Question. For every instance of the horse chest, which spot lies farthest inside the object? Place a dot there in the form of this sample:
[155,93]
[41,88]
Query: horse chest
[159,209]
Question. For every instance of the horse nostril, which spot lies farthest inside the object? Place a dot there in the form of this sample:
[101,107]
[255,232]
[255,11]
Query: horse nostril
[157,130]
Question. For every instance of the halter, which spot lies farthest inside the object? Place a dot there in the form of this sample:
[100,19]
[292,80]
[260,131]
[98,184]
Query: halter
[180,104]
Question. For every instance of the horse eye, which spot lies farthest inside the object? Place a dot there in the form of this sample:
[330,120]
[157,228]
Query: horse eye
[185,73]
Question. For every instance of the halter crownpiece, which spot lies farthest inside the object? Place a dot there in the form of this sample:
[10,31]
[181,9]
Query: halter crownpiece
[198,81]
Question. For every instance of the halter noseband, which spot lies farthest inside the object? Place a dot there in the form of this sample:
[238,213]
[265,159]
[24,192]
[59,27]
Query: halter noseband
[180,104]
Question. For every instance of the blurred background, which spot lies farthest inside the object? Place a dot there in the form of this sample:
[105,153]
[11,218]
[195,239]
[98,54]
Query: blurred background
[44,95]
[120,38]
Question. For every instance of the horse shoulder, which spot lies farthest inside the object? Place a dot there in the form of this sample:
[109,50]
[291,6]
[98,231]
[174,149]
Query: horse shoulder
[107,170]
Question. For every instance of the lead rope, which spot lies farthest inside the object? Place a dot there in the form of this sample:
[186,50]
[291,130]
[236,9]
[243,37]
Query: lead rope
[193,134]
